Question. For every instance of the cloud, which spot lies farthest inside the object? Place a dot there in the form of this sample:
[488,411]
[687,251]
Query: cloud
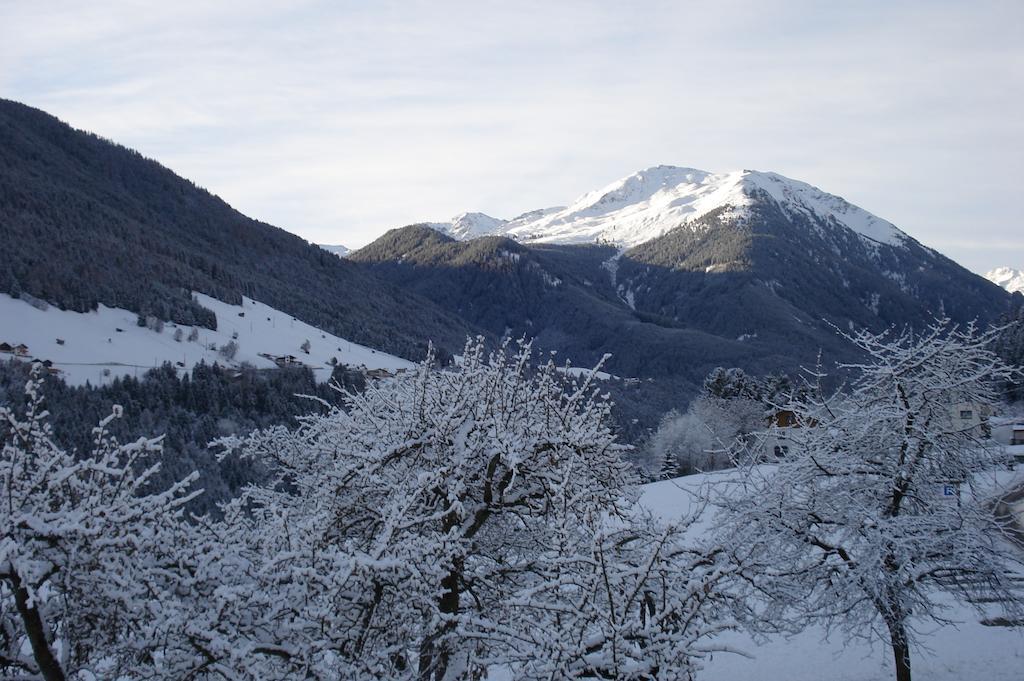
[340,120]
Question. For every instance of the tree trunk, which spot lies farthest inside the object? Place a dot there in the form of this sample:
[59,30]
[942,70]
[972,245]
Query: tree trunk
[894,614]
[434,654]
[426,658]
[900,650]
[36,630]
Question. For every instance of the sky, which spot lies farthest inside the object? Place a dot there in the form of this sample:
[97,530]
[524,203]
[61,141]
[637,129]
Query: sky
[340,120]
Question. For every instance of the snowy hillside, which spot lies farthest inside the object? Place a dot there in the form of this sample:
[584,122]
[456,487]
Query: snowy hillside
[649,203]
[337,249]
[100,345]
[1010,279]
[968,650]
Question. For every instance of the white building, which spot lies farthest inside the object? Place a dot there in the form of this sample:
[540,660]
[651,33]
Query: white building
[970,416]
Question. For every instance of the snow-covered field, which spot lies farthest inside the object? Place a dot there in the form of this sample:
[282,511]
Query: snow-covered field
[967,652]
[106,343]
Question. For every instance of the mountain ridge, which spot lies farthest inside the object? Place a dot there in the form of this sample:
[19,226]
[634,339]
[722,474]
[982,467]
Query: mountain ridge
[648,203]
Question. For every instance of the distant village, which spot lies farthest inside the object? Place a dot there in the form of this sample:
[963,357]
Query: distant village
[22,352]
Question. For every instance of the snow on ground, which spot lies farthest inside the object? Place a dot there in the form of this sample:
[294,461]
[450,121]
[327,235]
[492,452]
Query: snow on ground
[106,343]
[582,372]
[967,651]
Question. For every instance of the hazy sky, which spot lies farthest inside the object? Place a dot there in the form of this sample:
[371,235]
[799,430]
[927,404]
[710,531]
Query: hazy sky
[339,120]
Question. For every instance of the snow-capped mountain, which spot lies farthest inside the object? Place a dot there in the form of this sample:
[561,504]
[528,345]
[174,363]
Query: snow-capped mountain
[674,271]
[470,225]
[336,249]
[649,203]
[1010,279]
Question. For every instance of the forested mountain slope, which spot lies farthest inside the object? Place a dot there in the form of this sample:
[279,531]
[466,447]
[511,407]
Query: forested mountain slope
[85,221]
[560,295]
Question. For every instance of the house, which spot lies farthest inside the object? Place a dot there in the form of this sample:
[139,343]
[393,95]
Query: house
[19,350]
[965,417]
[970,416]
[1008,431]
[776,445]
[50,368]
[776,441]
[379,373]
[783,418]
[282,360]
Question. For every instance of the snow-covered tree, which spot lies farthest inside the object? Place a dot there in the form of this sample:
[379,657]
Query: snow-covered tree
[705,437]
[450,522]
[229,350]
[683,443]
[84,562]
[641,603]
[732,383]
[878,514]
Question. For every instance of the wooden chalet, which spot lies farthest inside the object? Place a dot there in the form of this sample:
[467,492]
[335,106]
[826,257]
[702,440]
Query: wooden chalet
[19,350]
[283,360]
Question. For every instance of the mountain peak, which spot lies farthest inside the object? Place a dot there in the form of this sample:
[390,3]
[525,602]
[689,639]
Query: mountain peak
[1009,278]
[470,226]
[651,202]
